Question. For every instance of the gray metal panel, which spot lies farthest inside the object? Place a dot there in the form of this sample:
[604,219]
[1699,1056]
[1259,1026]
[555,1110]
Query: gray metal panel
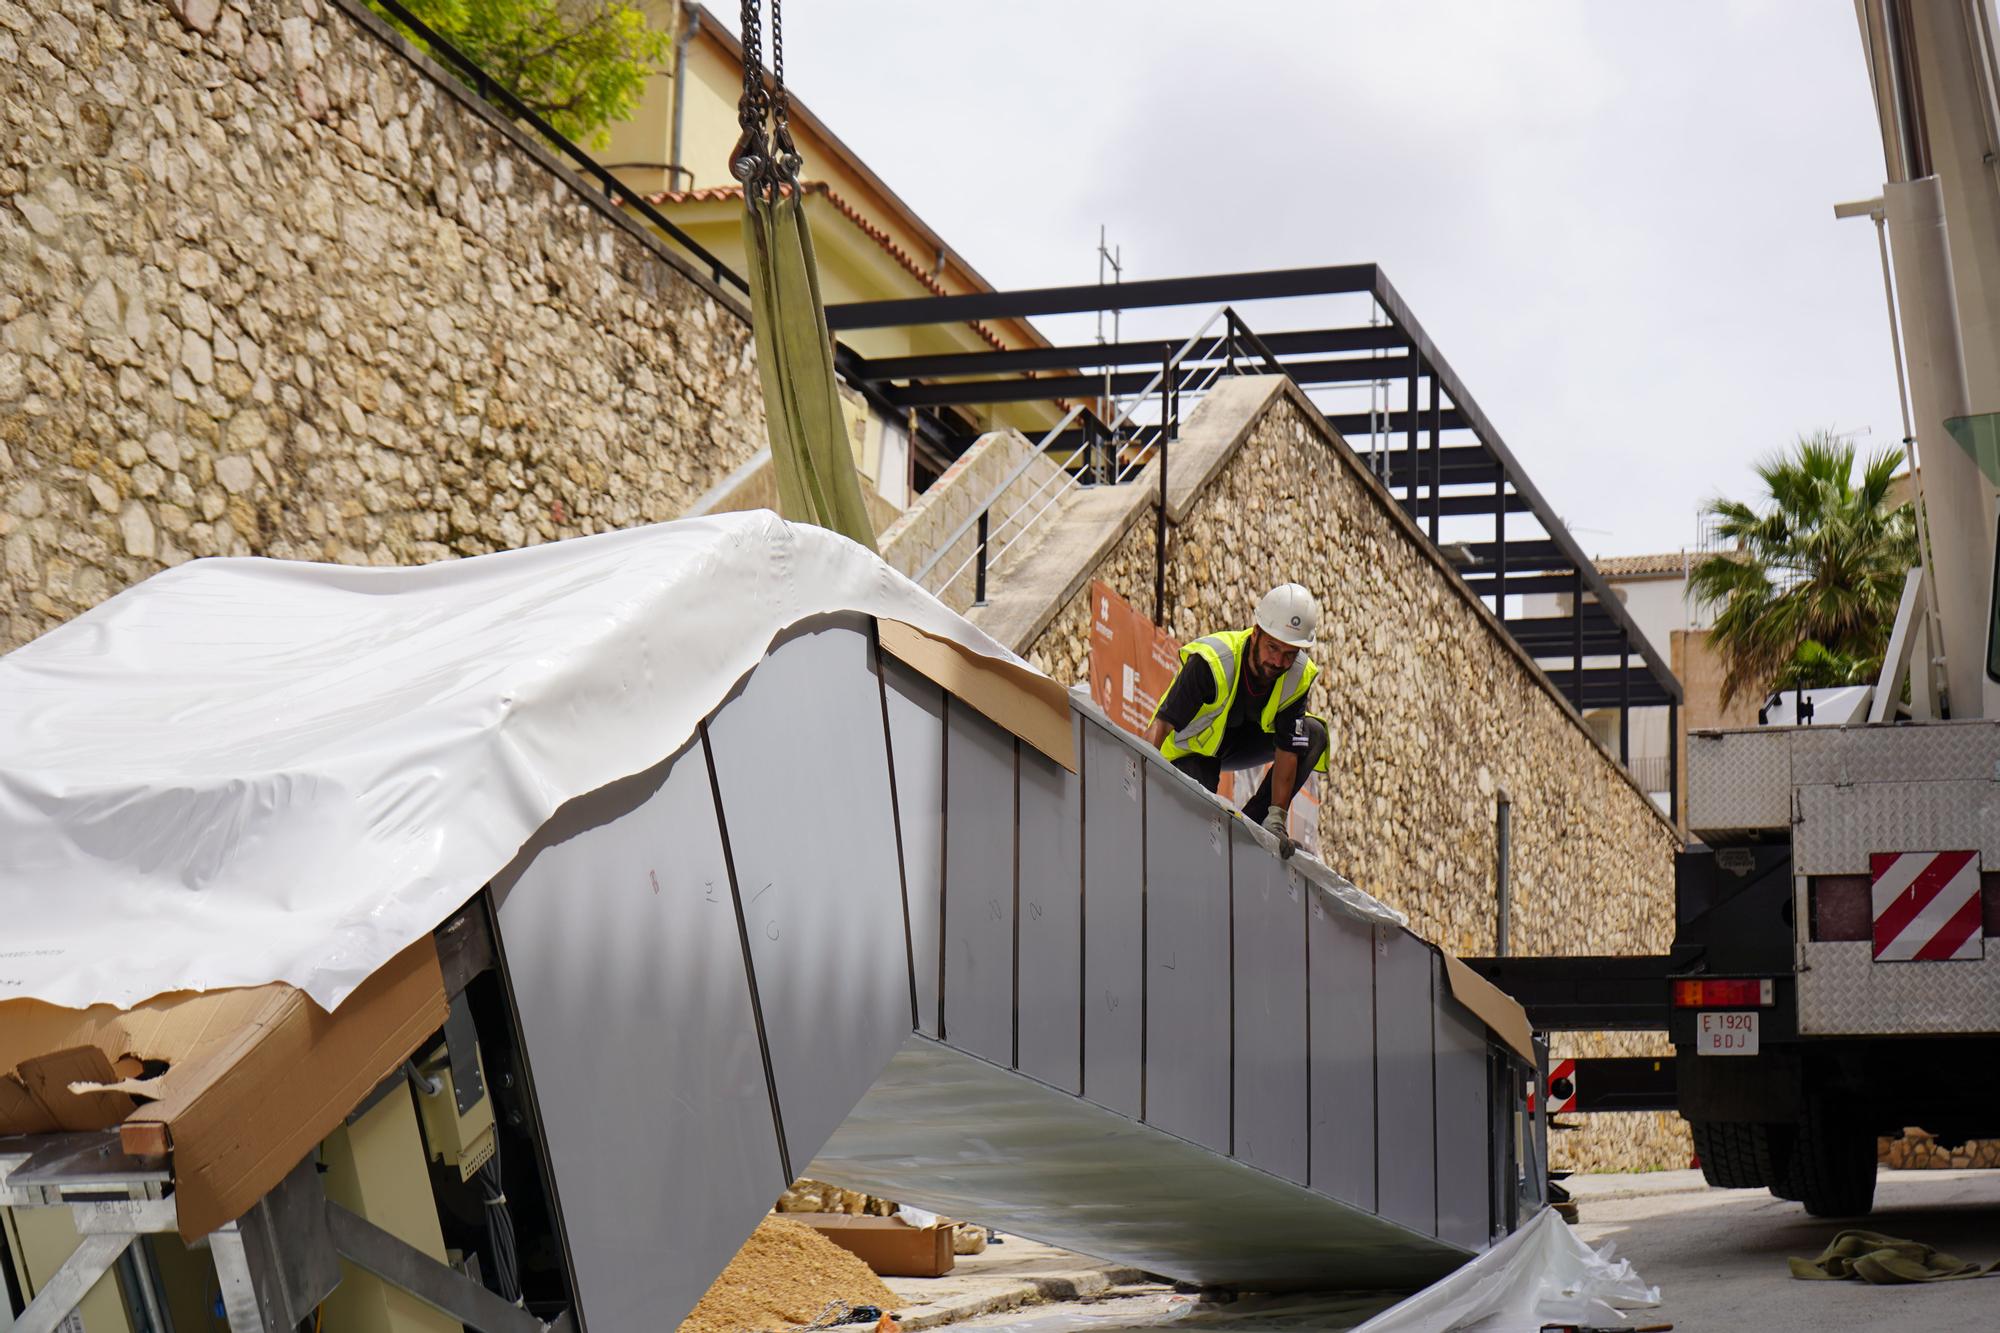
[804,775]
[1269,1082]
[1051,922]
[1464,1131]
[1187,962]
[1739,780]
[1343,1054]
[1906,752]
[627,967]
[1114,934]
[1843,990]
[1839,826]
[916,726]
[943,1131]
[978,885]
[1406,1141]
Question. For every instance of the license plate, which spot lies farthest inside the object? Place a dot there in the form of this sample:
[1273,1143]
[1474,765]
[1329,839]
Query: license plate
[1726,1032]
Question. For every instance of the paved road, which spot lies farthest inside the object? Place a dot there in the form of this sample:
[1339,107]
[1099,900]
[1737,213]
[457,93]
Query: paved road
[1718,1256]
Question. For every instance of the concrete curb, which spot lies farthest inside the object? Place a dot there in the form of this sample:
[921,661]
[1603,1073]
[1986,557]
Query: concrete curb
[1635,1185]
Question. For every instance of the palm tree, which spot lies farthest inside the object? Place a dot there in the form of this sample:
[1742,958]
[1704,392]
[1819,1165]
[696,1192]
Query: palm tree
[1809,595]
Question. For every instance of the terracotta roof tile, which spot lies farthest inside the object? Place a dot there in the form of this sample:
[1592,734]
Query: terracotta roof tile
[1667,562]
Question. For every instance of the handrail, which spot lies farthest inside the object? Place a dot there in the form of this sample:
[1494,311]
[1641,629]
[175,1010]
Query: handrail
[1012,477]
[1202,351]
[484,84]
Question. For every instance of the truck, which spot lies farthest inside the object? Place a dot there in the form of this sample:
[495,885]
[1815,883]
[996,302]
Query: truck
[1830,978]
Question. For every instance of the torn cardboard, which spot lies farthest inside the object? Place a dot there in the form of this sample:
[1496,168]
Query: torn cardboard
[1014,698]
[254,1077]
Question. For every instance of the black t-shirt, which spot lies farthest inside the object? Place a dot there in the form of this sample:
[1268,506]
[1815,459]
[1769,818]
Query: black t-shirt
[1195,686]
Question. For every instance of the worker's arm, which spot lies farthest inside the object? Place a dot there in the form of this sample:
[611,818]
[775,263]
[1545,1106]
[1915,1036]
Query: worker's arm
[1193,687]
[1284,778]
[1289,733]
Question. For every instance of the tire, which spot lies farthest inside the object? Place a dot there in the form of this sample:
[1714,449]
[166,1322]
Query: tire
[1736,1154]
[1832,1166]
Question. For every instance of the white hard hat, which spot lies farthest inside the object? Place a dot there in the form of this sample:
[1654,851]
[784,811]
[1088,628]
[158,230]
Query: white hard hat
[1289,614]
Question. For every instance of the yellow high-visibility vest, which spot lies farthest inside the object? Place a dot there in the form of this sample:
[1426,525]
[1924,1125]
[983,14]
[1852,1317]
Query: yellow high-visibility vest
[1224,654]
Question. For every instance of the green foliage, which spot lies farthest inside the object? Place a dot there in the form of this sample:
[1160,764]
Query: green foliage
[1809,596]
[579,64]
[1815,666]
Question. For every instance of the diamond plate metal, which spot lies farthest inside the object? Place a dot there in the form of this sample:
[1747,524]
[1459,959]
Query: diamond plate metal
[1908,752]
[1839,826]
[1842,991]
[1739,780]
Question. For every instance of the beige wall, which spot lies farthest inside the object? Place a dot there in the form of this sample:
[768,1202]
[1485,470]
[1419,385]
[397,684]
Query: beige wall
[1432,713]
[271,290]
[1700,668]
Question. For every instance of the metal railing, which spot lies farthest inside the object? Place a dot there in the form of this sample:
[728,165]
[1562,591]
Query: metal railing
[1113,453]
[614,192]
[1653,772]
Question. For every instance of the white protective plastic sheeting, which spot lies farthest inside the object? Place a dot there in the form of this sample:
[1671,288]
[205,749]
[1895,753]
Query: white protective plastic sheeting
[243,771]
[1542,1274]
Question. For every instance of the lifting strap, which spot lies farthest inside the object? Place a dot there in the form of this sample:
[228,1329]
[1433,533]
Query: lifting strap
[817,481]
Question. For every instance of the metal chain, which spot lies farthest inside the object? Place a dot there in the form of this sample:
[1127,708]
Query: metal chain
[750,159]
[764,162]
[784,152]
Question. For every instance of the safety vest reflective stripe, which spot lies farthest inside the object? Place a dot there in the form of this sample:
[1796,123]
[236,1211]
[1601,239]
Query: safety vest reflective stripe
[1225,660]
[1290,687]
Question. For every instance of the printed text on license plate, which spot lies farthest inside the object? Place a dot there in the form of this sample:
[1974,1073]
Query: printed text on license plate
[1726,1032]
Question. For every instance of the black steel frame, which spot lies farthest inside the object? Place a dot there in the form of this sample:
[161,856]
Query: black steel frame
[1431,478]
[1421,473]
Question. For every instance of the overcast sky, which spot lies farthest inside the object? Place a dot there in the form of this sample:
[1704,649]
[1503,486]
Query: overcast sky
[1614,220]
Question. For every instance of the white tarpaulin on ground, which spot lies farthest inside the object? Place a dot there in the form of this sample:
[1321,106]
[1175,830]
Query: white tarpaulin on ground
[242,771]
[1542,1274]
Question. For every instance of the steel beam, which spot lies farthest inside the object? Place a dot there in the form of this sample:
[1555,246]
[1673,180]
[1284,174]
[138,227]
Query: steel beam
[1601,690]
[1542,554]
[1458,506]
[443,1288]
[1394,423]
[1209,289]
[1467,408]
[1626,1083]
[1459,465]
[91,1260]
[1096,356]
[1486,584]
[1339,370]
[1584,993]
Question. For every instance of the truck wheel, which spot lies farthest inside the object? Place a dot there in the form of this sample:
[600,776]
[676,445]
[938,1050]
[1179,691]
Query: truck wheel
[1736,1154]
[1832,1166]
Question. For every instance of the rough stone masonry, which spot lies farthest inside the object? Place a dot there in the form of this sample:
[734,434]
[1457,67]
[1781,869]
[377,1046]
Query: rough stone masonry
[1432,715]
[274,291]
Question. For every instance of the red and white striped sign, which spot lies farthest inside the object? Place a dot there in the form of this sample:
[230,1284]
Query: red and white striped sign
[1561,1072]
[1927,906]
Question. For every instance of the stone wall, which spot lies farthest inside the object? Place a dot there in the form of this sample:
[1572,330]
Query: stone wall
[1432,713]
[274,287]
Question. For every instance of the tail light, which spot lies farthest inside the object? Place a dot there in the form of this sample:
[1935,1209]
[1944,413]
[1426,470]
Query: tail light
[1722,993]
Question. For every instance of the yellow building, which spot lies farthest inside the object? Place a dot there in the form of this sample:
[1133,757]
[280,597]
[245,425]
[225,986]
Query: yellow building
[674,153]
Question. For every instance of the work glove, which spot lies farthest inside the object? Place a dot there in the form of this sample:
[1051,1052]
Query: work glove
[1275,824]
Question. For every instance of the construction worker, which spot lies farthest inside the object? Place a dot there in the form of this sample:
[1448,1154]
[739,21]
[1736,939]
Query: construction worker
[1239,700]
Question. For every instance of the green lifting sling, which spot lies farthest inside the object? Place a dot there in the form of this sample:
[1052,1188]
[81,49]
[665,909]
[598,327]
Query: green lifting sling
[817,481]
